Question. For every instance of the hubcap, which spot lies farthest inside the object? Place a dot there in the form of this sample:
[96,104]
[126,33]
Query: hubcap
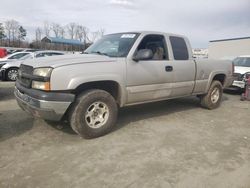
[12,74]
[97,115]
[215,95]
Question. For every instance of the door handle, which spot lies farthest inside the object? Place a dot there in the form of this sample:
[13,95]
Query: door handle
[168,68]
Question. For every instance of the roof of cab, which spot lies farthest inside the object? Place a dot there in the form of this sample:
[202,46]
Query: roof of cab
[153,32]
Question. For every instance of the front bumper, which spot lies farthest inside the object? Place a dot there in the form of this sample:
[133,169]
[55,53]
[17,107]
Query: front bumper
[46,109]
[239,84]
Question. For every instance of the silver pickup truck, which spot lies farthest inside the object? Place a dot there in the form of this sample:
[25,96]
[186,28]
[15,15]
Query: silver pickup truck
[118,70]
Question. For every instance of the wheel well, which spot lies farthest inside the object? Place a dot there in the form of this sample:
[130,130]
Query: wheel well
[111,87]
[220,78]
[12,68]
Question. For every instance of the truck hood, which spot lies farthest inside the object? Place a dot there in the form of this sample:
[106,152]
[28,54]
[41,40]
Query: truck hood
[241,70]
[62,60]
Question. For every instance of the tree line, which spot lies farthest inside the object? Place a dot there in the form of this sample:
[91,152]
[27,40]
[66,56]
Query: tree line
[12,34]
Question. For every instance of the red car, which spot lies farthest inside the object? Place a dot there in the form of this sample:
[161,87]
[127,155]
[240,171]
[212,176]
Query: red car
[3,52]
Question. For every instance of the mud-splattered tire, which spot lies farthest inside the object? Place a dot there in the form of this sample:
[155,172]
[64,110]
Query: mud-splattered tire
[213,98]
[93,114]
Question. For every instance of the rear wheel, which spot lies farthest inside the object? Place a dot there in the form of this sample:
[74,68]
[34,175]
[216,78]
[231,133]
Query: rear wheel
[213,98]
[11,74]
[93,114]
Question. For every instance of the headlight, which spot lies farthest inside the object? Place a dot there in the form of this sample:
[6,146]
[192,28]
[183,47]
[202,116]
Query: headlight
[44,72]
[41,85]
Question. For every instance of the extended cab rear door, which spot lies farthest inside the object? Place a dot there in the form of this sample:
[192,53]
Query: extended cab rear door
[184,68]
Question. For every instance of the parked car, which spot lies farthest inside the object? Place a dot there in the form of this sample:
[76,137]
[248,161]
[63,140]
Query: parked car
[118,70]
[3,52]
[14,56]
[242,66]
[9,69]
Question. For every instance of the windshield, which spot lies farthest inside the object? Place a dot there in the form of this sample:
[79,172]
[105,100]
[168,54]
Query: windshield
[114,45]
[242,61]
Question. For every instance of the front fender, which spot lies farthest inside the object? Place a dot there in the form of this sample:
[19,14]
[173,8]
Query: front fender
[70,77]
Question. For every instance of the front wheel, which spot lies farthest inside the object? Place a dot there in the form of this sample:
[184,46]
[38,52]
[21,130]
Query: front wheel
[213,98]
[11,74]
[93,114]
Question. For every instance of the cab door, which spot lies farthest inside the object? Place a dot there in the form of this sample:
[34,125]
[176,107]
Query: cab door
[184,68]
[149,80]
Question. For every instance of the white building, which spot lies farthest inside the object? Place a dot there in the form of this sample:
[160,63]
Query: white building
[229,48]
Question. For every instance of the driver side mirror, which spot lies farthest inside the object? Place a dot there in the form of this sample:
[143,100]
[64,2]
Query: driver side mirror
[143,54]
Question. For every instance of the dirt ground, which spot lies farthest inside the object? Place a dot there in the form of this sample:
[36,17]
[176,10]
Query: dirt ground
[166,144]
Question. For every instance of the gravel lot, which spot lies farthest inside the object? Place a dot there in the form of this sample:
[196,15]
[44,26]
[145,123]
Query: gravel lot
[166,144]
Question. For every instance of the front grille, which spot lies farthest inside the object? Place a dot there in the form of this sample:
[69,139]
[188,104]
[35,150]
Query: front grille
[26,69]
[24,81]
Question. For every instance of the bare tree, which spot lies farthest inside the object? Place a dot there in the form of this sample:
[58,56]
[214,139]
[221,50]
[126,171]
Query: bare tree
[47,28]
[11,27]
[56,29]
[97,34]
[71,27]
[2,33]
[102,32]
[86,35]
[94,36]
[38,34]
[62,32]
[79,32]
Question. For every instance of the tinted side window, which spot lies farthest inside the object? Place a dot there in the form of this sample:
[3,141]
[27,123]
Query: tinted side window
[247,62]
[17,56]
[41,55]
[56,54]
[179,47]
[157,44]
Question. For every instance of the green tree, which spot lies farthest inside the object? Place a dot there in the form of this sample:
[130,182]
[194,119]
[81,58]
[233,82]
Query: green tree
[22,33]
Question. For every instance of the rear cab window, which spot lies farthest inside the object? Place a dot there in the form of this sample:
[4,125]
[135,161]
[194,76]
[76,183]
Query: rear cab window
[179,48]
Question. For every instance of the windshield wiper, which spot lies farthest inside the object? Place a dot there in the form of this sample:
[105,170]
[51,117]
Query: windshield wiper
[100,53]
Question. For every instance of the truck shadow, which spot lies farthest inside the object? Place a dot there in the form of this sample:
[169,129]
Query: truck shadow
[234,92]
[146,111]
[136,113]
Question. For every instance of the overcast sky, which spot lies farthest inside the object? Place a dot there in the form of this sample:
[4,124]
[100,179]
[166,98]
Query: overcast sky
[200,20]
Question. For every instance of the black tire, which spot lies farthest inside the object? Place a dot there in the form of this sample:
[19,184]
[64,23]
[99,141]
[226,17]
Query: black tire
[11,74]
[96,99]
[207,101]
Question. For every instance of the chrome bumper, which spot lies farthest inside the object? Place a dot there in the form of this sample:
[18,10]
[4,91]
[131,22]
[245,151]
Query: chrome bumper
[48,110]
[240,84]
